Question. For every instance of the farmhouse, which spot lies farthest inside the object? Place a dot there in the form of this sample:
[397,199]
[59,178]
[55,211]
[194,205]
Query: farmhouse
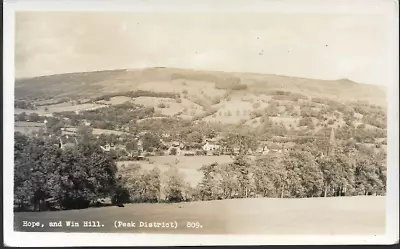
[67,142]
[210,146]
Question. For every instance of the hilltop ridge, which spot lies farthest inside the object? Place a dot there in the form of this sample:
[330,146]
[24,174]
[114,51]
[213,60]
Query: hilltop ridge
[97,83]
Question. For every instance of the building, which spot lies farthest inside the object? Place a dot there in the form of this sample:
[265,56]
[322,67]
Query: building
[211,145]
[67,142]
[275,148]
[107,147]
[177,147]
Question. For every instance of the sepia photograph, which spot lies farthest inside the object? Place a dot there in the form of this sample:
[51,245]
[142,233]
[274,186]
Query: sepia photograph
[203,121]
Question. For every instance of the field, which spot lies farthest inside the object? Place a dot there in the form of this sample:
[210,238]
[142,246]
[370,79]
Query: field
[62,107]
[28,127]
[96,132]
[188,166]
[362,215]
[203,95]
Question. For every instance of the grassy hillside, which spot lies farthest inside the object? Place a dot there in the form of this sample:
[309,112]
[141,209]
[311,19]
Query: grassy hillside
[89,84]
[323,216]
[297,128]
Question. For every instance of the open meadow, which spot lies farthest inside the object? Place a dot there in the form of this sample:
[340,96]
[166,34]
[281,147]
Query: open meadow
[360,215]
[188,166]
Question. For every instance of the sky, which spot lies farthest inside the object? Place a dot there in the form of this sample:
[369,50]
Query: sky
[321,46]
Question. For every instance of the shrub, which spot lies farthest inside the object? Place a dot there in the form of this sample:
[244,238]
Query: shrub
[161,105]
[256,105]
[201,153]
[173,151]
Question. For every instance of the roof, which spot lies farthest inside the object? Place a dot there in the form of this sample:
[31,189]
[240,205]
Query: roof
[274,147]
[69,145]
[68,141]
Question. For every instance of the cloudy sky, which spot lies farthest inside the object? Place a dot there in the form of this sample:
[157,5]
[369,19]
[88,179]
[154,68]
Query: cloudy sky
[323,46]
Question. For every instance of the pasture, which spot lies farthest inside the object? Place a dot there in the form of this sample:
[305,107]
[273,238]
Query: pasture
[96,131]
[360,215]
[188,166]
[28,127]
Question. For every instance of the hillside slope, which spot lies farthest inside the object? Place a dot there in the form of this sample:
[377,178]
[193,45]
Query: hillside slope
[91,84]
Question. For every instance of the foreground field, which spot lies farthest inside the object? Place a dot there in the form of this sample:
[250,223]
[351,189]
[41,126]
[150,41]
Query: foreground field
[363,215]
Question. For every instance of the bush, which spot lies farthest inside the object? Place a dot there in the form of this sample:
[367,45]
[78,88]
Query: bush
[161,105]
[21,117]
[201,153]
[173,151]
[22,104]
[256,105]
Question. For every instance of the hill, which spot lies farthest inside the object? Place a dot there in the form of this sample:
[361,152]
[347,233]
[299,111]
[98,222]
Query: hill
[212,83]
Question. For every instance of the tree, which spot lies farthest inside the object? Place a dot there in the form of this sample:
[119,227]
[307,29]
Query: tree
[131,145]
[161,105]
[208,187]
[151,142]
[195,137]
[21,117]
[269,175]
[370,175]
[85,134]
[174,186]
[74,179]
[173,151]
[153,185]
[272,109]
[33,117]
[240,167]
[244,141]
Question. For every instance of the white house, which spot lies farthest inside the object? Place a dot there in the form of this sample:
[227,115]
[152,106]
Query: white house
[106,148]
[210,146]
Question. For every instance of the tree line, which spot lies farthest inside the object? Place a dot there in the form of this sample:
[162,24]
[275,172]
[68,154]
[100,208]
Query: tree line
[298,174]
[78,177]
